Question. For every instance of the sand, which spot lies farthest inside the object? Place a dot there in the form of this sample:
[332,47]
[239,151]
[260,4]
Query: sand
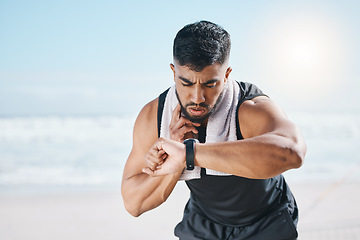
[327,211]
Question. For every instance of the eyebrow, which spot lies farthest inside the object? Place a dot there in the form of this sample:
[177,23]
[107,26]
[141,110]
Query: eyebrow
[187,81]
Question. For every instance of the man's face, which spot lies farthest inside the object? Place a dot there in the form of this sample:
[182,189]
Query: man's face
[199,92]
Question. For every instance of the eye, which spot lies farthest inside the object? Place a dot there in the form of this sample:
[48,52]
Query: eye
[186,83]
[211,85]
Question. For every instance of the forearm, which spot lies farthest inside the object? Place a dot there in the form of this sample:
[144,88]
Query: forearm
[260,157]
[142,192]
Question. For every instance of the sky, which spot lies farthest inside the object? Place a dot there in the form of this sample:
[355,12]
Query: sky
[90,58]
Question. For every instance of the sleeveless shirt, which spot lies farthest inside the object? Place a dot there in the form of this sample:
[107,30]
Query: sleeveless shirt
[234,200]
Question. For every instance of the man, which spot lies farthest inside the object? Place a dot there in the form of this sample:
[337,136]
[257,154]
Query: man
[238,142]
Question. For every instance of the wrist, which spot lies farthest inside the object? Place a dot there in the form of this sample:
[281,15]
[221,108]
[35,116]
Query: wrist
[190,153]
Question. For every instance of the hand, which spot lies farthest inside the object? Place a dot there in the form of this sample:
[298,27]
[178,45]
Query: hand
[165,157]
[180,127]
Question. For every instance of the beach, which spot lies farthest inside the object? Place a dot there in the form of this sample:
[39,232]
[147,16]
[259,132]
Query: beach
[60,178]
[76,75]
[327,211]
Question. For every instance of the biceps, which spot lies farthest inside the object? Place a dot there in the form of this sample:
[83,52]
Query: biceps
[134,165]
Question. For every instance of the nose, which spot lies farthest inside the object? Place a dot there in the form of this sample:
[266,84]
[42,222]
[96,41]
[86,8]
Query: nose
[198,95]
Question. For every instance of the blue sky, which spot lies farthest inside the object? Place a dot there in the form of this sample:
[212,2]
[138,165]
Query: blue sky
[112,57]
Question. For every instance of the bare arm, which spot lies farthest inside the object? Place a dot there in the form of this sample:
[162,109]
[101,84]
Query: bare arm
[272,144]
[140,191]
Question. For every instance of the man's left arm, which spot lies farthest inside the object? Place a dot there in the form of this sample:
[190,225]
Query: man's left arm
[272,144]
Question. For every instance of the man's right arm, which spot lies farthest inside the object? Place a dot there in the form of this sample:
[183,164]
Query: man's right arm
[140,191]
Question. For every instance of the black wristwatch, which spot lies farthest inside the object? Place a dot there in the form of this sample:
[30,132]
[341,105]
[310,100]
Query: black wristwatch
[189,146]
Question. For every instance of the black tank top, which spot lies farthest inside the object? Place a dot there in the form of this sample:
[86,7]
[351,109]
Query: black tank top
[233,200]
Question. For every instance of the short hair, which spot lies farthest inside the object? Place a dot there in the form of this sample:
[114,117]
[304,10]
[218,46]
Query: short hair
[201,44]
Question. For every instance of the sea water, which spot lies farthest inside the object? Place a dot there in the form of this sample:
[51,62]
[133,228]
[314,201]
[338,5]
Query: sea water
[47,153]
[52,153]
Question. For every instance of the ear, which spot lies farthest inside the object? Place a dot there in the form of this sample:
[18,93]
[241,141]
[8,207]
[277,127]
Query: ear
[227,73]
[172,66]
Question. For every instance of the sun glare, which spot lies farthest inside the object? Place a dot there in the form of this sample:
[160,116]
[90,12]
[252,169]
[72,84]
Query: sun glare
[302,53]
[302,56]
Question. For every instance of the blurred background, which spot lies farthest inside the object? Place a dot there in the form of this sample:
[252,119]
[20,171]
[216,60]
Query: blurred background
[75,74]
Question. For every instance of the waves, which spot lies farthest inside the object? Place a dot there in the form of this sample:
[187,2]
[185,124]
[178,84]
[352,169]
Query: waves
[63,151]
[91,151]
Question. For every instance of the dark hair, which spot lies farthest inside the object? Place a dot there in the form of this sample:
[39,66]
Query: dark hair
[201,44]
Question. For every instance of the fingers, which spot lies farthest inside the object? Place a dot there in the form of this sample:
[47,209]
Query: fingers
[153,173]
[165,157]
[154,160]
[176,113]
[183,125]
[155,156]
[180,126]
[182,121]
[150,172]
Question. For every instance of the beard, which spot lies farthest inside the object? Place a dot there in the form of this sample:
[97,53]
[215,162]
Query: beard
[198,119]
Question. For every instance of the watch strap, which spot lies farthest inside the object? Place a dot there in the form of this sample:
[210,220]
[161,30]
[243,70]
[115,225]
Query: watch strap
[190,153]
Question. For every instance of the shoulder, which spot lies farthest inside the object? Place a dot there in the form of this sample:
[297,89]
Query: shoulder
[146,122]
[149,109]
[260,103]
[144,136]
[260,115]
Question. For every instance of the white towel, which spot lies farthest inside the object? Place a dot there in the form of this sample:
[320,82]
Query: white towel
[221,125]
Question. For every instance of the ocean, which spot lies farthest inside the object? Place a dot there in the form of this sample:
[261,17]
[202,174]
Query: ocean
[77,153]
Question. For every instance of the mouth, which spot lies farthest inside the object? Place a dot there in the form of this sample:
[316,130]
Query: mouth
[197,111]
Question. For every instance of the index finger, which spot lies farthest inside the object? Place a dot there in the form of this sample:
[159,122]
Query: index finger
[176,113]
